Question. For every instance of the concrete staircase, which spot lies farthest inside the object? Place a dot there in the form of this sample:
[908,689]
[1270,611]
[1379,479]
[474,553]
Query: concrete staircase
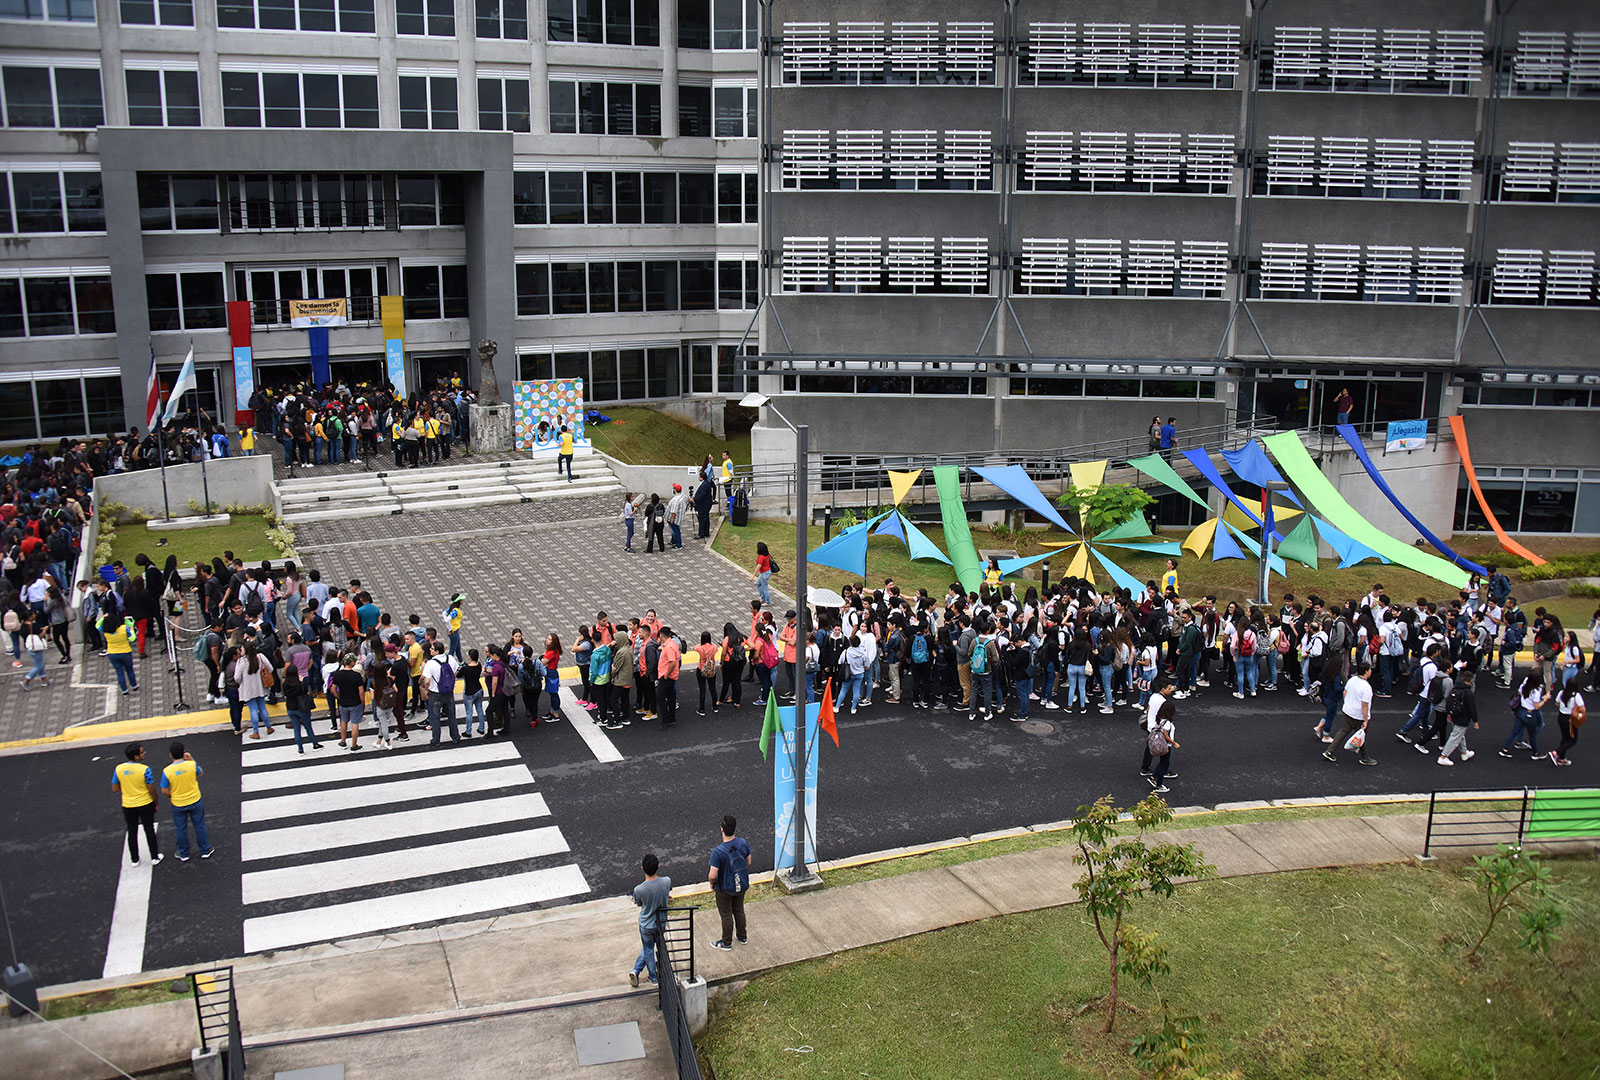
[442,487]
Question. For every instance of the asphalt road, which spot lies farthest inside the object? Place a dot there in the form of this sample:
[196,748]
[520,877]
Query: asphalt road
[899,777]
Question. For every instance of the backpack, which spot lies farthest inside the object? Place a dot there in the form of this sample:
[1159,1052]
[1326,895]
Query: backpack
[1455,706]
[600,665]
[736,873]
[252,603]
[1436,695]
[447,676]
[511,685]
[980,656]
[1414,686]
[919,649]
[1247,643]
[1159,747]
[1283,641]
[202,646]
[708,660]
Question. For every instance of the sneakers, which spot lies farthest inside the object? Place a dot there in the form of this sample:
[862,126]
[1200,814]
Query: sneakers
[1329,755]
[1181,694]
[1051,705]
[208,854]
[1106,710]
[1562,761]
[1368,761]
[1504,753]
[1468,755]
[1521,745]
[1403,737]
[182,858]
[723,945]
[1421,747]
[744,941]
[1327,738]
[633,978]
[1162,790]
[1445,761]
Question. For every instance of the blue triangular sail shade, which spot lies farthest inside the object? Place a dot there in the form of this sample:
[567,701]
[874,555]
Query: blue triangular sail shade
[1016,483]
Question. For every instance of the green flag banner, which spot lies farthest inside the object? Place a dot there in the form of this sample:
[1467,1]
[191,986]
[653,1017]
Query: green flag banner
[957,533]
[1564,815]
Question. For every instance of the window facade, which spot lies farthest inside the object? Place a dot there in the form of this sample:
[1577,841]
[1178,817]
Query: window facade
[425,18]
[163,98]
[503,19]
[186,300]
[58,404]
[899,264]
[1360,168]
[1395,274]
[1115,161]
[718,24]
[608,286]
[270,289]
[320,16]
[427,200]
[51,202]
[1534,278]
[1114,267]
[157,13]
[901,53]
[178,202]
[1150,55]
[1547,172]
[57,96]
[55,304]
[503,103]
[621,373]
[583,107]
[434,291]
[719,111]
[1554,64]
[428,102]
[61,11]
[628,197]
[1531,500]
[300,202]
[605,22]
[299,99]
[874,160]
[1364,60]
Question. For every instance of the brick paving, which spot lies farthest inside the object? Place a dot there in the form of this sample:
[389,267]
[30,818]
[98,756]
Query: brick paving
[314,536]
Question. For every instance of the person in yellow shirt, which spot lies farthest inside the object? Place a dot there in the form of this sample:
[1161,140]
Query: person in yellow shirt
[397,436]
[118,640]
[452,617]
[320,447]
[991,576]
[1169,580]
[430,432]
[136,784]
[181,783]
[247,442]
[564,461]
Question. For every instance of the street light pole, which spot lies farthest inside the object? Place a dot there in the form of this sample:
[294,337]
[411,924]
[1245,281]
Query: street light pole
[1263,580]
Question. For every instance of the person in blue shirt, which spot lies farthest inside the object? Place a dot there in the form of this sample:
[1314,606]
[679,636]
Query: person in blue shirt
[730,880]
[1169,437]
[652,895]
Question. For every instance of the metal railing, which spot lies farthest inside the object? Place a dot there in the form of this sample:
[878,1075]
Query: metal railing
[674,953]
[1484,819]
[216,1007]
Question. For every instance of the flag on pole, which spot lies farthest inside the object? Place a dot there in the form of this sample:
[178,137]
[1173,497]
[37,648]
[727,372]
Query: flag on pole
[771,725]
[184,384]
[152,393]
[825,713]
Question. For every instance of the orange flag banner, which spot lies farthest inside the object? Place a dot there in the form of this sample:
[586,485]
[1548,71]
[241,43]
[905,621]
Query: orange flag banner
[825,713]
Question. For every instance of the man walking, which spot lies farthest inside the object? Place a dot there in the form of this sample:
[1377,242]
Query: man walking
[730,880]
[1425,699]
[669,658]
[564,458]
[136,784]
[1357,714]
[652,895]
[439,679]
[181,782]
[677,507]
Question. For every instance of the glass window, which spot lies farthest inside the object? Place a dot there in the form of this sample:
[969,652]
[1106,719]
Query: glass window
[660,198]
[37,198]
[144,98]
[322,100]
[591,108]
[566,198]
[694,111]
[420,287]
[280,94]
[431,18]
[630,286]
[661,285]
[360,101]
[78,101]
[730,198]
[629,199]
[619,109]
[27,95]
[442,94]
[418,196]
[662,377]
[86,208]
[5,206]
[602,287]
[356,17]
[630,374]
[563,107]
[697,198]
[730,285]
[241,99]
[533,289]
[60,407]
[11,321]
[558,25]
[455,290]
[194,202]
[602,384]
[569,288]
[49,306]
[161,294]
[619,21]
[729,120]
[599,187]
[16,411]
[1549,506]
[694,24]
[698,284]
[203,301]
[572,365]
[590,21]
[103,396]
[183,98]
[318,15]
[503,19]
[647,109]
[154,13]
[527,198]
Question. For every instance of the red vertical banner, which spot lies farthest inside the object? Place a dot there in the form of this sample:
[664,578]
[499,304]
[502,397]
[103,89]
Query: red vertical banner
[244,376]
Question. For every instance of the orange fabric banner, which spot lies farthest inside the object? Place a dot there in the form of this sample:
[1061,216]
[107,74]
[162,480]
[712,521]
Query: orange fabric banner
[1458,426]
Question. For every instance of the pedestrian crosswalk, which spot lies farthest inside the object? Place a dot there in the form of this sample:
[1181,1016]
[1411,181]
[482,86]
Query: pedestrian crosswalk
[338,845]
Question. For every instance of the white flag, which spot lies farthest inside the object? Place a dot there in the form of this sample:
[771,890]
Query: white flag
[184,384]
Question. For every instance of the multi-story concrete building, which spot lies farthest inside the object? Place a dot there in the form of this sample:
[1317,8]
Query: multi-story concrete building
[1000,225]
[975,225]
[574,179]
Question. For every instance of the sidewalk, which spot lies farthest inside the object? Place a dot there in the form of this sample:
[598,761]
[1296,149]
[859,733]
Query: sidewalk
[581,953]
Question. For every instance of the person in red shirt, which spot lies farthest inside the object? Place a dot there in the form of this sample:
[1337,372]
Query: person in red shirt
[552,677]
[667,667]
[351,619]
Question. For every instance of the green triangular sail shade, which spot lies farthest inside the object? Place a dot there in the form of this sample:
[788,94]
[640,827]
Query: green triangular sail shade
[1157,469]
[1301,543]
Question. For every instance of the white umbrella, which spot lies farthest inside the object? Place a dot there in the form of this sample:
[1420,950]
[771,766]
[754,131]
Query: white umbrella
[823,597]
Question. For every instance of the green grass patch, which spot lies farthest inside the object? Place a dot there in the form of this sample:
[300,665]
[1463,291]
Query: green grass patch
[125,997]
[1229,579]
[244,535]
[1353,973]
[643,436]
[1010,845]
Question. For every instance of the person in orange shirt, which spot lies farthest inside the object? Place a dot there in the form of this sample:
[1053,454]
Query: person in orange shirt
[667,666]
[786,639]
[351,619]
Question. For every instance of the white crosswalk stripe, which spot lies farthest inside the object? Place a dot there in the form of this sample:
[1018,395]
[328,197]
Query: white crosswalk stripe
[341,846]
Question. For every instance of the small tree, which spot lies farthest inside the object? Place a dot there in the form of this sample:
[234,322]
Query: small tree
[1506,876]
[1104,506]
[1117,874]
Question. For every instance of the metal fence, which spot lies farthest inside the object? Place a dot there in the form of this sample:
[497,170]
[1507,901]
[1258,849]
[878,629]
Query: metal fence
[674,957]
[216,1007]
[1484,819]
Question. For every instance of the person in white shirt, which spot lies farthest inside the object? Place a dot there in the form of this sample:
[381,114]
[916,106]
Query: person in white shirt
[1163,724]
[1357,711]
[1391,647]
[1528,720]
[1160,688]
[1571,711]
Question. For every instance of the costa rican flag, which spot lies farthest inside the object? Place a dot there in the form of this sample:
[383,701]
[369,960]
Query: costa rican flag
[152,395]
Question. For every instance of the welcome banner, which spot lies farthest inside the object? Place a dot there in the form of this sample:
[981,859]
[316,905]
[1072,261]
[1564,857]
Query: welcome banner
[308,314]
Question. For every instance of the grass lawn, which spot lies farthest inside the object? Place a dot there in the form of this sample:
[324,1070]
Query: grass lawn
[1332,974]
[123,998]
[244,535]
[644,436]
[1229,579]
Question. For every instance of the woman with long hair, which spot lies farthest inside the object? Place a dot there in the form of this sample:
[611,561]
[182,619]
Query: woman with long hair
[732,662]
[763,572]
[247,672]
[1571,711]
[1527,720]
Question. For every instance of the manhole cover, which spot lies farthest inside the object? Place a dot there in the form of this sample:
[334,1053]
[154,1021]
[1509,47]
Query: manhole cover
[1037,727]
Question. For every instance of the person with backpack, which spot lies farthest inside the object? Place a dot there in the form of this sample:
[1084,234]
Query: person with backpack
[1571,713]
[1313,647]
[1438,698]
[920,652]
[600,677]
[1189,642]
[439,681]
[1527,721]
[1022,669]
[732,663]
[705,672]
[730,880]
[1162,741]
[297,699]
[982,667]
[1247,661]
[1461,710]
[1391,647]
[1422,686]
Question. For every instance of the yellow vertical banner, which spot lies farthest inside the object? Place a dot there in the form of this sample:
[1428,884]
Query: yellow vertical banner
[902,483]
[391,310]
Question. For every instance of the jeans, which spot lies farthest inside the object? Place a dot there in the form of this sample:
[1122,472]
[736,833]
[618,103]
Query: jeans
[627,542]
[564,461]
[1249,674]
[455,646]
[1332,697]
[269,613]
[442,709]
[1269,667]
[181,817]
[1106,674]
[764,681]
[1024,690]
[474,707]
[677,534]
[1525,720]
[1048,691]
[37,670]
[648,936]
[258,713]
[1419,715]
[982,692]
[762,588]
[854,690]
[1388,667]
[319,450]
[298,719]
[1077,685]
[122,664]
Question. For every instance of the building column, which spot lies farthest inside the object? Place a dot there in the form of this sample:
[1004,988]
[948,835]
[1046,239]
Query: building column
[125,242]
[538,68]
[491,268]
[669,69]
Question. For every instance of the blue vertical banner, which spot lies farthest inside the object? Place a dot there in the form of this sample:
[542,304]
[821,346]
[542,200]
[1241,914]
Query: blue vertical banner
[783,786]
[391,310]
[394,357]
[321,372]
[244,377]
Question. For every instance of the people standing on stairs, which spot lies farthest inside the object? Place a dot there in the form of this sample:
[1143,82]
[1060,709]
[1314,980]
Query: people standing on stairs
[564,455]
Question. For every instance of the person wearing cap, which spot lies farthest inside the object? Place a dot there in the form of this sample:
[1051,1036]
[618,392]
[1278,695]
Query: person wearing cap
[452,618]
[677,507]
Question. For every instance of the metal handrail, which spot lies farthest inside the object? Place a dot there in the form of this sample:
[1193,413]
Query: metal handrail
[216,1009]
[668,996]
[677,933]
[1476,819]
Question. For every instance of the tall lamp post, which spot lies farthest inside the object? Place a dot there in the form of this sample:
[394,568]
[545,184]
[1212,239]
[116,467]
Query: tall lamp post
[1263,581]
[800,873]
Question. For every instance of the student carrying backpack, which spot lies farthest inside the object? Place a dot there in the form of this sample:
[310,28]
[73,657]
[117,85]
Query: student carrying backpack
[919,648]
[980,655]
[1247,643]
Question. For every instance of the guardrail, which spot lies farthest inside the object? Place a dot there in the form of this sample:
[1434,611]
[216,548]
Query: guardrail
[1484,819]
[675,956]
[216,1007]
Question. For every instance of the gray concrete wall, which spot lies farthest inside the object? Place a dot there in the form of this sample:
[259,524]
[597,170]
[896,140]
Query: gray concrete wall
[234,481]
[1503,436]
[1424,480]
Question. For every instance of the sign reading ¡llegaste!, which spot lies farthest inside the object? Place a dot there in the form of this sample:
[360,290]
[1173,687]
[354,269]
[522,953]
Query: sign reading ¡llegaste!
[304,314]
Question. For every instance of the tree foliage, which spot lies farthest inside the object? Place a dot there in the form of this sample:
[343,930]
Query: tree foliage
[1506,877]
[1102,507]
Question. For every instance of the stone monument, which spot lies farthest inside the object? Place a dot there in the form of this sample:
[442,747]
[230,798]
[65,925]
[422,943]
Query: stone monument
[490,428]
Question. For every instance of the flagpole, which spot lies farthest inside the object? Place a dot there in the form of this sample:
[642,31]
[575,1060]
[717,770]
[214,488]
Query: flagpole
[205,448]
[161,451]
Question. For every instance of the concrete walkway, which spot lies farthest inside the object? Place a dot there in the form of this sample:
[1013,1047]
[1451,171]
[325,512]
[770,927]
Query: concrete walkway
[477,971]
